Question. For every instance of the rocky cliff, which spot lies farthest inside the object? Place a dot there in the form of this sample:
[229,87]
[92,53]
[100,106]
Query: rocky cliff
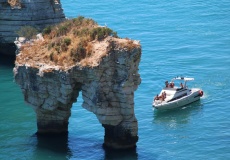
[17,13]
[106,77]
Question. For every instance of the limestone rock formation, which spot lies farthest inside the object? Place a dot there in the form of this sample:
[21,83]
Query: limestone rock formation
[107,89]
[17,13]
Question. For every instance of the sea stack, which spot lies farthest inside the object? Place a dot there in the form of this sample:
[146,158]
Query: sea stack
[15,14]
[82,58]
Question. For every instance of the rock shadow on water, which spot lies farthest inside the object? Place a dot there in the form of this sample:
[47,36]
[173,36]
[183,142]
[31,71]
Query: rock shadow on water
[52,145]
[65,146]
[89,148]
[114,154]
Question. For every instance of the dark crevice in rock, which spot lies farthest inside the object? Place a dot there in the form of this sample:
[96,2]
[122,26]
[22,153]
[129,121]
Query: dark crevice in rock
[7,48]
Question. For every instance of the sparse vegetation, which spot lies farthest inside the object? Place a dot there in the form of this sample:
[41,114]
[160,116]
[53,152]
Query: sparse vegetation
[100,33]
[28,32]
[47,30]
[69,42]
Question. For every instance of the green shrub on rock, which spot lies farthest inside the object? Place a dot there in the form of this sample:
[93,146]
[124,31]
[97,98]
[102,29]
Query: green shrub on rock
[28,32]
[47,30]
[100,33]
[67,41]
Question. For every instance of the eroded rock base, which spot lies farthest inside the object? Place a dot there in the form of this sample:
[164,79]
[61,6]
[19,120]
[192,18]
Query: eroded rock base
[52,127]
[117,137]
[50,122]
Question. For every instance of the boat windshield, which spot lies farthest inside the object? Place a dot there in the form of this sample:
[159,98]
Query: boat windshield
[171,84]
[183,78]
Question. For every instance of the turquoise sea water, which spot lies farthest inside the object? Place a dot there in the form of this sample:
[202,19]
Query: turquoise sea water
[181,37]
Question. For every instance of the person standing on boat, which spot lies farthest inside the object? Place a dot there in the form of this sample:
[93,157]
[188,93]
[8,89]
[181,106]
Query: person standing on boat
[166,84]
[181,85]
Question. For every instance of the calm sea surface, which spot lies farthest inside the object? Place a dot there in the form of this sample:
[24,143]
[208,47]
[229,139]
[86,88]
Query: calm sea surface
[184,37]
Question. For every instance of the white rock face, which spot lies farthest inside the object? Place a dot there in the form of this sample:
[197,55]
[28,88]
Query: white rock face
[37,13]
[107,91]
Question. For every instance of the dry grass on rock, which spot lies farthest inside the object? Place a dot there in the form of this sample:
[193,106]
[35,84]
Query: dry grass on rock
[78,41]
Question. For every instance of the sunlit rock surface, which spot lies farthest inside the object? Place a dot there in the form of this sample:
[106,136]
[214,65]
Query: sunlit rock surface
[107,91]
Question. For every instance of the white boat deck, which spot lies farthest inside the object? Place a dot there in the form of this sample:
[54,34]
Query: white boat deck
[177,96]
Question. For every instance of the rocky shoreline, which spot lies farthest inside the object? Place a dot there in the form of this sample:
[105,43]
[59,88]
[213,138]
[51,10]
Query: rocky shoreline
[15,14]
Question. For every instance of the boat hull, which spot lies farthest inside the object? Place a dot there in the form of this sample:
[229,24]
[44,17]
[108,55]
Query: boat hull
[192,97]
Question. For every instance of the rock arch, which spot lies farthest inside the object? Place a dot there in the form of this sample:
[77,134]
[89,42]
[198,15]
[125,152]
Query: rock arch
[107,91]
